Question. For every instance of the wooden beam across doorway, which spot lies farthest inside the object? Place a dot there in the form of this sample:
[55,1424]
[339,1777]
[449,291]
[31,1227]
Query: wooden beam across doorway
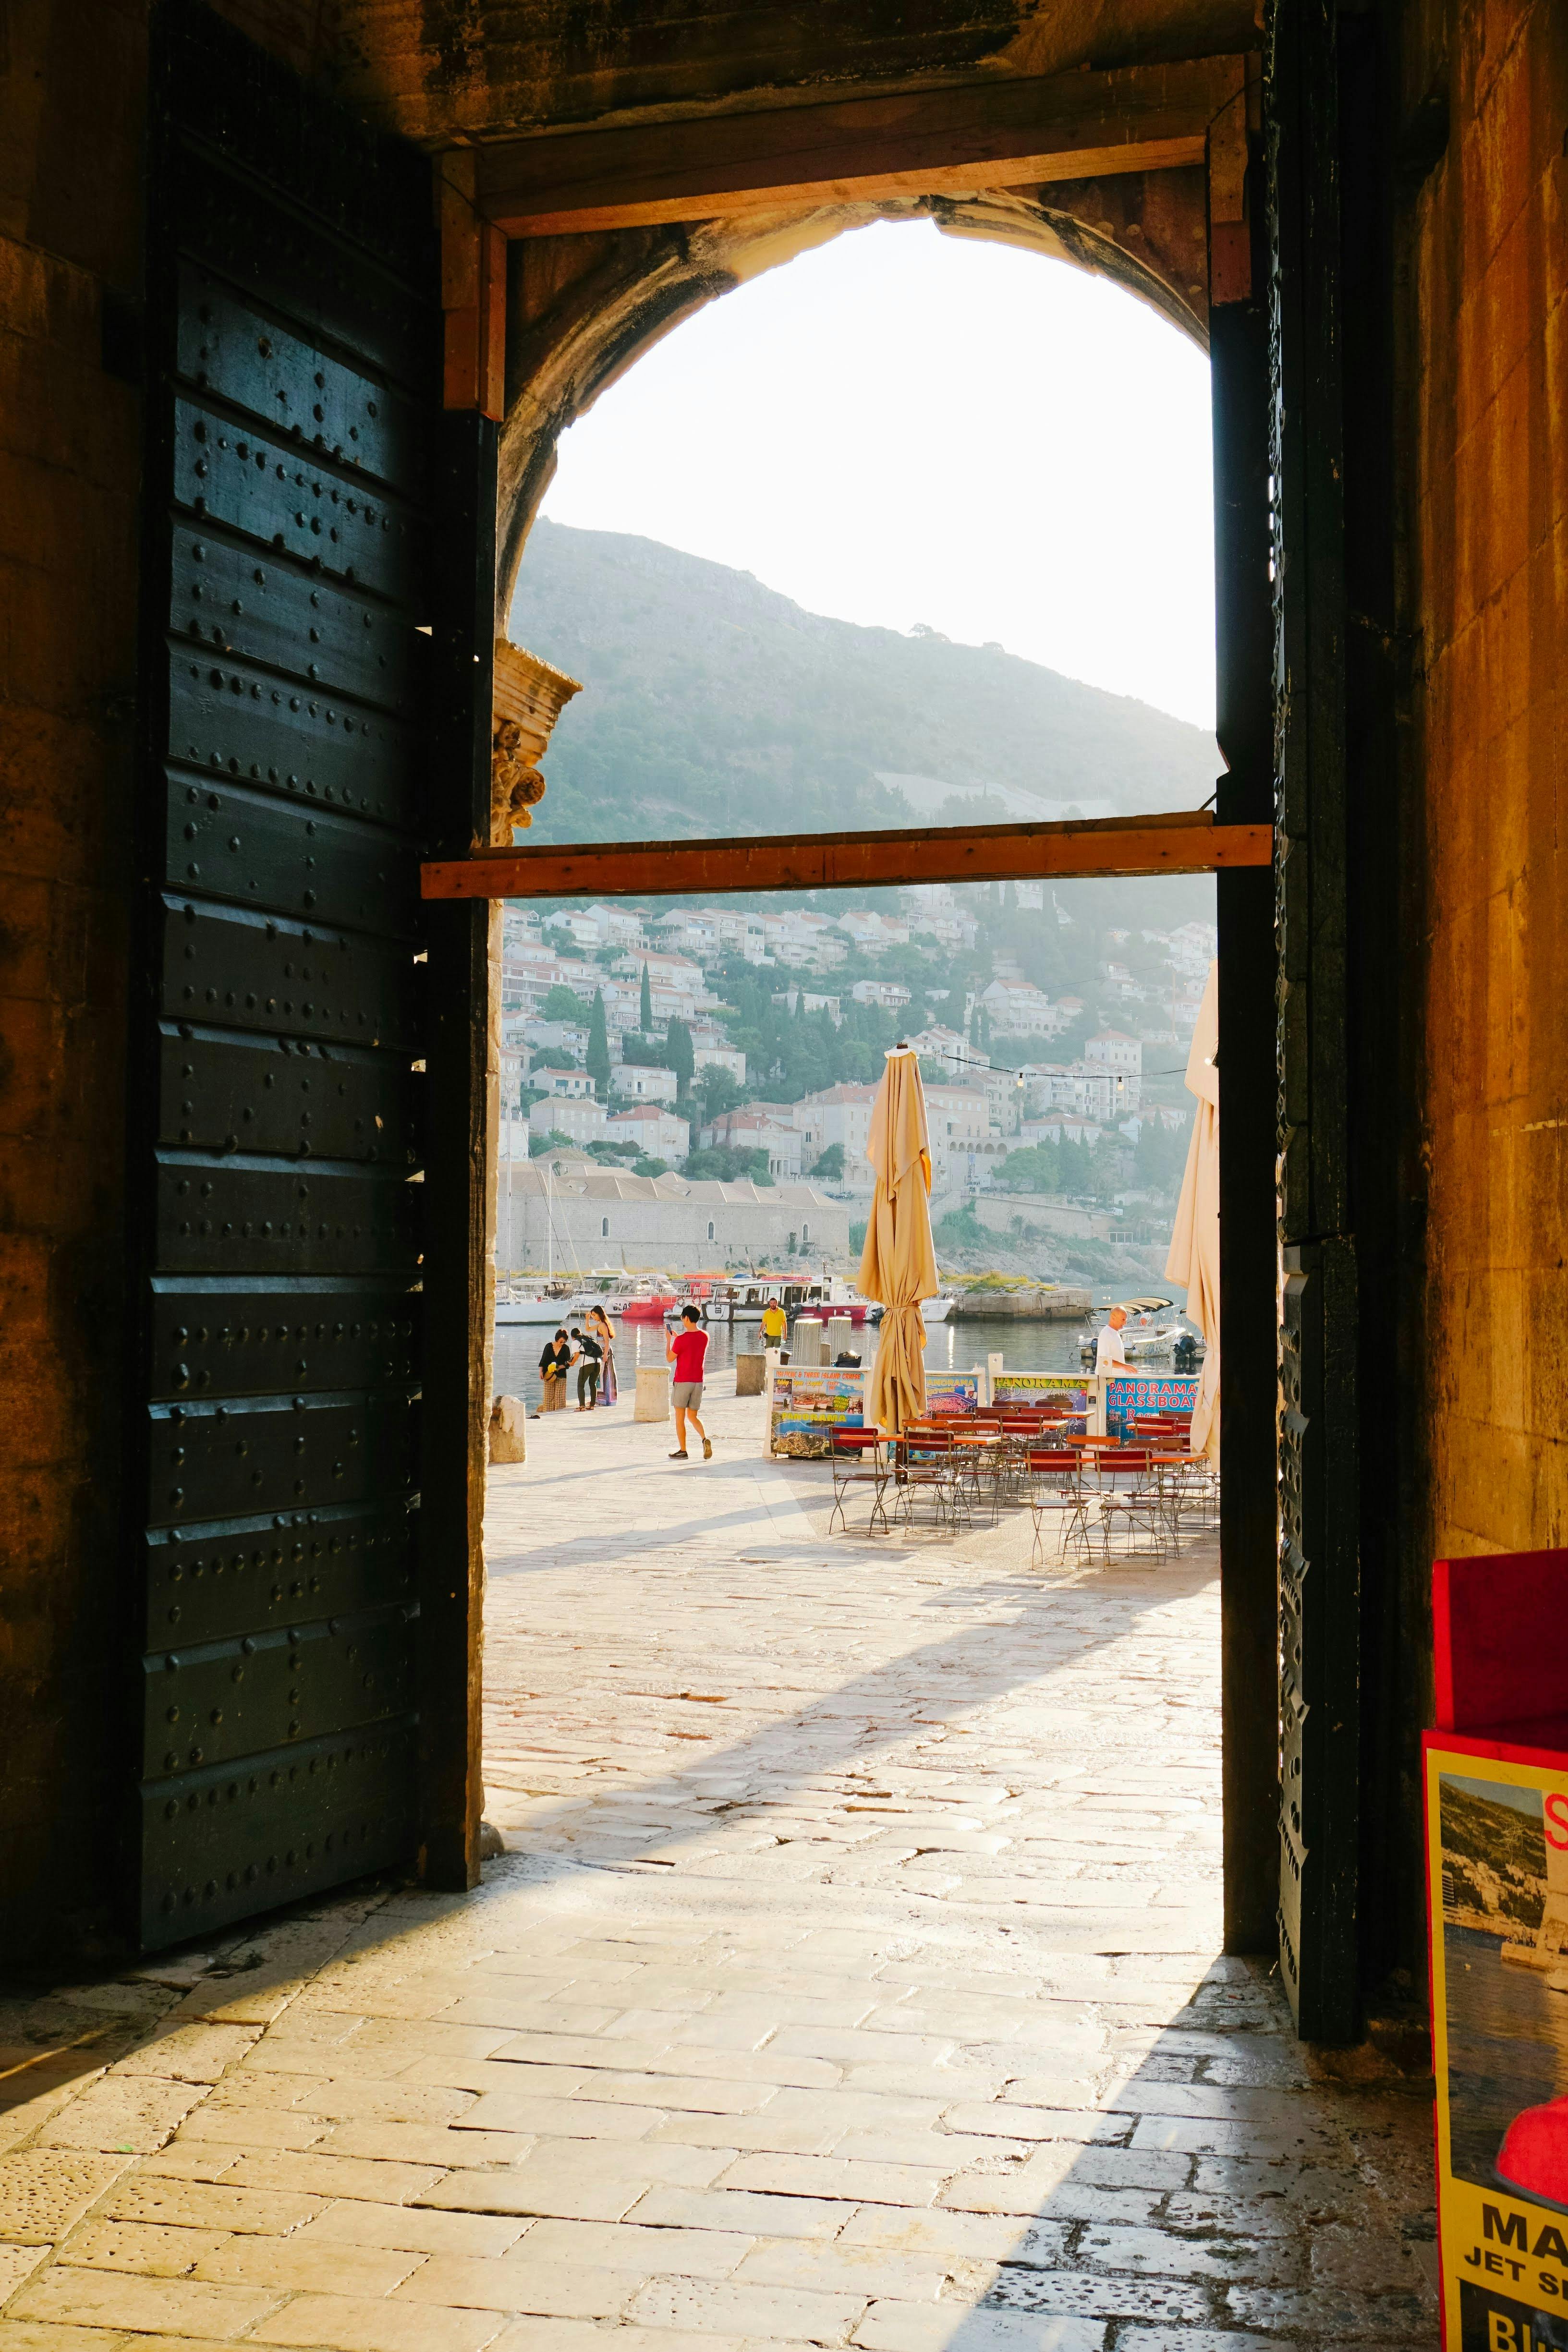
[1013,131]
[1186,841]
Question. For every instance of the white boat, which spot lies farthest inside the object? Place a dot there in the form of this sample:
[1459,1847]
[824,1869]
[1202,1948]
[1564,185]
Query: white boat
[521,1306]
[932,1310]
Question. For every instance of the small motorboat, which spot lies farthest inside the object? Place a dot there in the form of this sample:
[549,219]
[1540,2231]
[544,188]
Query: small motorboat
[1142,1334]
[643,1305]
[932,1310]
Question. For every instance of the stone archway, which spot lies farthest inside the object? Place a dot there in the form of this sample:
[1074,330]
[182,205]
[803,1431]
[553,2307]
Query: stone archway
[584,308]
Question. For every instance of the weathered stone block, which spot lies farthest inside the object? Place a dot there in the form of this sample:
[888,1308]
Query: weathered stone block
[508,1429]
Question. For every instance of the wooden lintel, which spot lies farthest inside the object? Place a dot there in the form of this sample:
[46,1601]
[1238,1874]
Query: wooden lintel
[1186,841]
[1002,133]
[473,291]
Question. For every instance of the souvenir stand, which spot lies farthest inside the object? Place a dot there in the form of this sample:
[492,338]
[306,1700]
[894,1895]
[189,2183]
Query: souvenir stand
[806,1402]
[1495,1775]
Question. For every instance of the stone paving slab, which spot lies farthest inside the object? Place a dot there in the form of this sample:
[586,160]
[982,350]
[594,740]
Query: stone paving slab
[850,1976]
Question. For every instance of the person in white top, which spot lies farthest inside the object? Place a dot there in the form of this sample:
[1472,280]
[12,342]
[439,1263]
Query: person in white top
[1110,1355]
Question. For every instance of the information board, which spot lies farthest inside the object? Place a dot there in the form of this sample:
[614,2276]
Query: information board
[1148,1392]
[955,1392]
[1075,1390]
[1497,1852]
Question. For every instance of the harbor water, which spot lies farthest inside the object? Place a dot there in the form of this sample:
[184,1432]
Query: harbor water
[954,1346]
[1508,2047]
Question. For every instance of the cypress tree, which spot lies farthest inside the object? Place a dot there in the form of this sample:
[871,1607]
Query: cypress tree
[679,1056]
[599,1058]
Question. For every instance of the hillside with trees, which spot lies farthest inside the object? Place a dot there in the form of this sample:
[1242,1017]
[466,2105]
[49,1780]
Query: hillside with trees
[714,705]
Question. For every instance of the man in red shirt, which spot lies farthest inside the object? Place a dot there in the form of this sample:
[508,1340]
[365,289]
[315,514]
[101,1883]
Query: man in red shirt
[686,1350]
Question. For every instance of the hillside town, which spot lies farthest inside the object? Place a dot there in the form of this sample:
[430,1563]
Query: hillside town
[740,1046]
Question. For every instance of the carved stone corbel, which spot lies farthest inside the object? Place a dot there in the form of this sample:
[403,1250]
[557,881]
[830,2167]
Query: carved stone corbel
[529,698]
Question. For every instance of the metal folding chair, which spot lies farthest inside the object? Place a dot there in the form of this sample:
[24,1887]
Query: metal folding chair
[1132,1502]
[859,1460]
[1058,1491]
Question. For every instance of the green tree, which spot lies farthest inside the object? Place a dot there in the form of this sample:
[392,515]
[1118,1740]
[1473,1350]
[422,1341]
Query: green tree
[679,1056]
[1035,1169]
[830,1166]
[539,1147]
[729,1167]
[645,1008]
[561,1004]
[597,1059]
[718,1089]
[1160,1155]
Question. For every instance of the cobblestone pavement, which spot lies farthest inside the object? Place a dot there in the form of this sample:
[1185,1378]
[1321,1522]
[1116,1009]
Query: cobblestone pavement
[851,1977]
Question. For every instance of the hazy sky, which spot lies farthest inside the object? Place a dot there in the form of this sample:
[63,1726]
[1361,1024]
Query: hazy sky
[903,426]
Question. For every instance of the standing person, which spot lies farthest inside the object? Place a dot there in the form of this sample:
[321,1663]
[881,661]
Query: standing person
[588,1359]
[600,1327]
[1110,1355]
[686,1350]
[553,1366]
[775,1324]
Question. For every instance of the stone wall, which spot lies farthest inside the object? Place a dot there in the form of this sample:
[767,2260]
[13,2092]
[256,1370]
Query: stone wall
[1491,302]
[71,112]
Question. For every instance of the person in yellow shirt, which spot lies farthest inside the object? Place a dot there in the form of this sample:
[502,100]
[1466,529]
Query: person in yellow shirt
[775,1323]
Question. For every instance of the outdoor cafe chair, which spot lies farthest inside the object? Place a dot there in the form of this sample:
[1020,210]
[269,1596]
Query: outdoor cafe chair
[1058,1491]
[927,1469]
[859,1460]
[1195,1490]
[1132,1501]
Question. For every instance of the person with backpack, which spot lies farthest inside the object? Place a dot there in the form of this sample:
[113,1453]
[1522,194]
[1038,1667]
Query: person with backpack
[588,1358]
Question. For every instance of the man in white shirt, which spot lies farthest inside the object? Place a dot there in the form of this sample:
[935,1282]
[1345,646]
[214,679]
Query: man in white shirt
[1110,1355]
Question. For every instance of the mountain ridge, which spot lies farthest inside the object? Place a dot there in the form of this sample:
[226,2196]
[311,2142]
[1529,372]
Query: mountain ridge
[715,704]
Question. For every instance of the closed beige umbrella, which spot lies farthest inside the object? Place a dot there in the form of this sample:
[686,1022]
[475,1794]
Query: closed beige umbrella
[1194,1259]
[898,1267]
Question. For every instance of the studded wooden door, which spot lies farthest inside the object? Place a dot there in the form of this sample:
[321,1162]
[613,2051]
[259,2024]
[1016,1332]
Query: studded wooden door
[1319,1574]
[292,409]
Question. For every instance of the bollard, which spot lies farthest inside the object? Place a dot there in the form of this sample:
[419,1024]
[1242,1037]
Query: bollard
[750,1374]
[806,1340]
[508,1429]
[840,1337]
[653,1393]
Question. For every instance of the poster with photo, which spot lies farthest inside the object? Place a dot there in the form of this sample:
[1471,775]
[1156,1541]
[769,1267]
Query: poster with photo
[1069,1392]
[1497,1831]
[1150,1393]
[806,1402]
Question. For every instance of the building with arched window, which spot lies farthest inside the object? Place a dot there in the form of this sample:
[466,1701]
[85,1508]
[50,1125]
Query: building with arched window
[570,1205]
